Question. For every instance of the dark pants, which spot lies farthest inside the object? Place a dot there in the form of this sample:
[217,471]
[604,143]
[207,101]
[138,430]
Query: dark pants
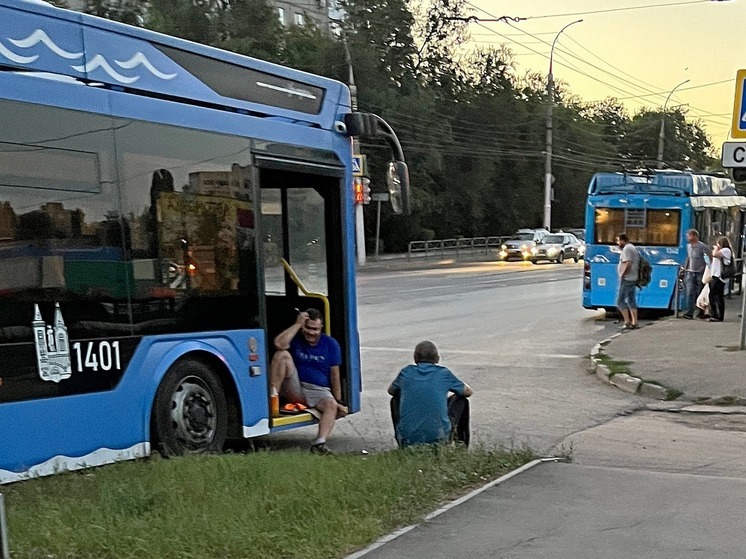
[694,285]
[458,413]
[717,299]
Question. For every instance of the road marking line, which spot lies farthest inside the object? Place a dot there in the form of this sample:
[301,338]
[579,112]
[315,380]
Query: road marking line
[472,352]
[390,537]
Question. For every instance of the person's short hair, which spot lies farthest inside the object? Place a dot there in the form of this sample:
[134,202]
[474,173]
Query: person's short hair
[315,314]
[623,237]
[723,242]
[426,352]
[694,233]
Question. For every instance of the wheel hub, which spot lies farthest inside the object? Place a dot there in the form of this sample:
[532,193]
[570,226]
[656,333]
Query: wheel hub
[193,413]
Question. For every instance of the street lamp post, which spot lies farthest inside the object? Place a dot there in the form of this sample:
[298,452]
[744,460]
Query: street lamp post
[359,216]
[661,134]
[550,125]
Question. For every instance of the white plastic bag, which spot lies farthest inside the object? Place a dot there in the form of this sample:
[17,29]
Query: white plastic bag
[707,276]
[703,301]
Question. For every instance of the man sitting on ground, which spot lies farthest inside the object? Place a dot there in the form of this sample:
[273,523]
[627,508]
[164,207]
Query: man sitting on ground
[421,409]
[305,370]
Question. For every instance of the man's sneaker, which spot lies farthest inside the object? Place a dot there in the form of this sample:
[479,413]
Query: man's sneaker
[320,448]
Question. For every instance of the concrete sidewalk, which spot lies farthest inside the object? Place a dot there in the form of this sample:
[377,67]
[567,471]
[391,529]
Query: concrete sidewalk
[567,511]
[696,357]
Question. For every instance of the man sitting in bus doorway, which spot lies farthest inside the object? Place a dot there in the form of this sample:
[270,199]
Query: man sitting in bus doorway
[421,409]
[629,264]
[305,370]
[697,255]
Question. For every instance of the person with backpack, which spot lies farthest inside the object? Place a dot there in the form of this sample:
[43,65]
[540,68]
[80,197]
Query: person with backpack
[629,267]
[723,268]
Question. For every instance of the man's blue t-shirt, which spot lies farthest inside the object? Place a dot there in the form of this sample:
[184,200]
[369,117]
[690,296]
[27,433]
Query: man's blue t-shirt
[314,363]
[423,407]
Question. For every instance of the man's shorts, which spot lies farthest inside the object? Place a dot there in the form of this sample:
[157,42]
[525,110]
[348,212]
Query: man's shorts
[292,390]
[627,297]
[315,394]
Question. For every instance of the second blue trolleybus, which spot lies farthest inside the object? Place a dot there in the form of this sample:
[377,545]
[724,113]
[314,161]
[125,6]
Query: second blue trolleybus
[655,209]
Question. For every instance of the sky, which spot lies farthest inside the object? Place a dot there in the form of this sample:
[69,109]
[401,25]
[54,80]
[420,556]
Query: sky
[638,55]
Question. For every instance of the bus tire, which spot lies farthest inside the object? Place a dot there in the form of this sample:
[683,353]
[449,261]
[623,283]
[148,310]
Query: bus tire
[560,258]
[190,412]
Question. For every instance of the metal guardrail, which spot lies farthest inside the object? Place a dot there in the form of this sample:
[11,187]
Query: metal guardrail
[469,245]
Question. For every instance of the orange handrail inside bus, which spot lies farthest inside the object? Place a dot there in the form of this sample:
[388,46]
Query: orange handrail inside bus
[307,293]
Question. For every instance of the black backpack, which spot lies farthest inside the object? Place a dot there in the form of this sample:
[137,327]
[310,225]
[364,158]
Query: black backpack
[644,273]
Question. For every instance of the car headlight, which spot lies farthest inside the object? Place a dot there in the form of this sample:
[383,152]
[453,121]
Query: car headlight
[523,247]
[503,254]
[504,247]
[551,251]
[534,250]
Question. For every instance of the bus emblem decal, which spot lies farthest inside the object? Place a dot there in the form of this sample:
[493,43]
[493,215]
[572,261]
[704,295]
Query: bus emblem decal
[97,62]
[52,346]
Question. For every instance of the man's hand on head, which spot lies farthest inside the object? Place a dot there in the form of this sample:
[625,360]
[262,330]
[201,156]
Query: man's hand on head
[302,317]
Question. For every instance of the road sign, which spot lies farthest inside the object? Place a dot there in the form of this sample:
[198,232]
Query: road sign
[358,165]
[738,130]
[734,155]
[380,196]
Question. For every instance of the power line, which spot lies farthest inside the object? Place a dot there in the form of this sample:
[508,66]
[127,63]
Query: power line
[608,10]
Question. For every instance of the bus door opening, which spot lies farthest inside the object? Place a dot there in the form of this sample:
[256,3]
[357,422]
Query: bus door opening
[302,244]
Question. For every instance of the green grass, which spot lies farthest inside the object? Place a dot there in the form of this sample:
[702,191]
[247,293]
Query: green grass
[614,366]
[265,504]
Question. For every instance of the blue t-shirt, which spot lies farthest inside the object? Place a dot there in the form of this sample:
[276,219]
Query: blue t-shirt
[423,407]
[314,363]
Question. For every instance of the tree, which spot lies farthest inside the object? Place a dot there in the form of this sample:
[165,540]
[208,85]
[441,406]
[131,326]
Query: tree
[130,12]
[686,145]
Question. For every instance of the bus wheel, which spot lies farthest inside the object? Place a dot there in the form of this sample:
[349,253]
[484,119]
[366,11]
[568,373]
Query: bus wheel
[190,414]
[560,258]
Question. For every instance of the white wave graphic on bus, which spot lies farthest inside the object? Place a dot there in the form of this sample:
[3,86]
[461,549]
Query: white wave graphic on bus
[99,61]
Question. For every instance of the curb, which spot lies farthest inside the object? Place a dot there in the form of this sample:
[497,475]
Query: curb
[380,542]
[625,381]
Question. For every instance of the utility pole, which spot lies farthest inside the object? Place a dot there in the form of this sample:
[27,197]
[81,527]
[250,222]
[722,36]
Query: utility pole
[359,216]
[662,133]
[550,126]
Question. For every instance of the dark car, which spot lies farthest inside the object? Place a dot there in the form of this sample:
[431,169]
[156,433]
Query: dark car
[556,247]
[519,246]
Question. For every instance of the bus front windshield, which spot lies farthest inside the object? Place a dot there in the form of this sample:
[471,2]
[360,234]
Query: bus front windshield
[644,227]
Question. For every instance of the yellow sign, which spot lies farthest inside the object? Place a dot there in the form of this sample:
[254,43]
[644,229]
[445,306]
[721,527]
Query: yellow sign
[738,130]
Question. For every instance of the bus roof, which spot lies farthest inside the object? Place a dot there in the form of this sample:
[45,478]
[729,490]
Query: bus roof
[665,182]
[39,38]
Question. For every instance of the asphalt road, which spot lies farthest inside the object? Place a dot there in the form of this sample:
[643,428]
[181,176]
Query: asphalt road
[515,332]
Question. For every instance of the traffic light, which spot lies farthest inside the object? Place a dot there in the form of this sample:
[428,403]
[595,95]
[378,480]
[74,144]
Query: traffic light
[357,190]
[366,190]
[361,190]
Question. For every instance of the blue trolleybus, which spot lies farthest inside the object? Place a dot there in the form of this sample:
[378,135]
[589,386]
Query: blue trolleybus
[164,208]
[654,209]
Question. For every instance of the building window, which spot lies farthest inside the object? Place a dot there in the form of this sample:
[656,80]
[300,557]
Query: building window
[281,15]
[299,19]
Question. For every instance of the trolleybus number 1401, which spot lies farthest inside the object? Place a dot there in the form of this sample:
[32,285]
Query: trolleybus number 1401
[92,355]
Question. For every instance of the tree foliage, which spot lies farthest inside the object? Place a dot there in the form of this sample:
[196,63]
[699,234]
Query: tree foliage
[472,130]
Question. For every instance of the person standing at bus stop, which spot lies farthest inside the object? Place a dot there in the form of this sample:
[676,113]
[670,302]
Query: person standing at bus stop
[421,409]
[721,256]
[305,370]
[694,266]
[629,265]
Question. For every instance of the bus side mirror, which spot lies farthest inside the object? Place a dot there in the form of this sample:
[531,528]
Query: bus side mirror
[397,180]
